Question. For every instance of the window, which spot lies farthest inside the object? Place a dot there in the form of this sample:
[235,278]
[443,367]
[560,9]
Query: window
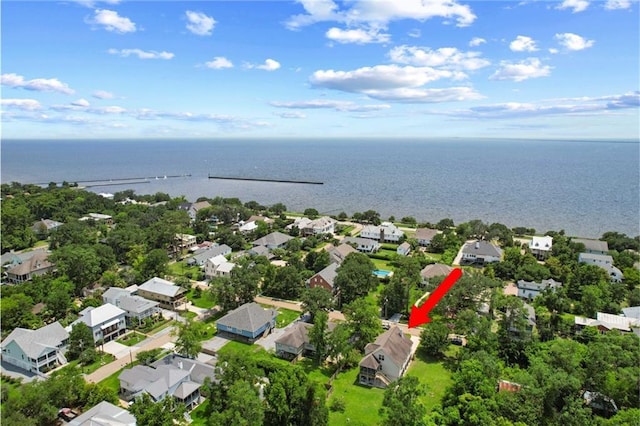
[381,357]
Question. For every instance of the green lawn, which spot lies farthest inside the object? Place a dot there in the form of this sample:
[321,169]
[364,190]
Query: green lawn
[132,339]
[381,264]
[179,269]
[112,381]
[286,317]
[197,415]
[188,315]
[361,403]
[204,301]
[433,374]
[103,359]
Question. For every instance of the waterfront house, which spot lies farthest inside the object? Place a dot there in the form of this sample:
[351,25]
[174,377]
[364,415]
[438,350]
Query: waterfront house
[273,240]
[38,350]
[247,322]
[386,232]
[169,295]
[193,208]
[481,252]
[603,261]
[425,235]
[593,246]
[530,290]
[363,245]
[541,246]
[386,359]
[35,264]
[321,225]
[136,308]
[434,270]
[106,322]
[325,278]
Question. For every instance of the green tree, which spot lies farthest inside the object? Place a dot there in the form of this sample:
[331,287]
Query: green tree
[189,342]
[354,278]
[242,407]
[311,213]
[315,299]
[80,263]
[163,413]
[154,264]
[402,404]
[434,339]
[15,311]
[363,319]
[318,336]
[80,340]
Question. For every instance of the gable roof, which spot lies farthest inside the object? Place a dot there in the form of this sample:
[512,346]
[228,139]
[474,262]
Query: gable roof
[200,205]
[201,256]
[360,241]
[136,304]
[329,273]
[595,257]
[593,245]
[541,243]
[95,316]
[104,414]
[38,261]
[482,248]
[538,286]
[272,239]
[296,336]
[163,287]
[435,270]
[48,224]
[154,381]
[339,253]
[249,317]
[256,218]
[425,233]
[198,370]
[394,343]
[34,342]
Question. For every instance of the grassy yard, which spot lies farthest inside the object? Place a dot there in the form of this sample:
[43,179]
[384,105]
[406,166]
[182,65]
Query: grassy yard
[112,381]
[103,359]
[197,415]
[381,264]
[361,402]
[286,317]
[203,301]
[132,339]
[179,269]
[433,374]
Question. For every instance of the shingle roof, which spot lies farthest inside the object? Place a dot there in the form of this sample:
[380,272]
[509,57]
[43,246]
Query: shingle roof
[198,370]
[155,381]
[394,343]
[482,248]
[185,389]
[594,245]
[435,270]
[34,342]
[598,257]
[160,286]
[425,233]
[249,317]
[329,273]
[136,304]
[272,239]
[538,286]
[340,252]
[296,336]
[38,261]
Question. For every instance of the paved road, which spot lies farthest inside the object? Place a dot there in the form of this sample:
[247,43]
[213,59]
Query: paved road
[161,339]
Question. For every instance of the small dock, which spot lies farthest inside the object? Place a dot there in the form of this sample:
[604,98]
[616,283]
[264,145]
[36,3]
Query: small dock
[306,182]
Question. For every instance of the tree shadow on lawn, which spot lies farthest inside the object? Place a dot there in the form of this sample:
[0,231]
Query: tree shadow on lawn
[449,362]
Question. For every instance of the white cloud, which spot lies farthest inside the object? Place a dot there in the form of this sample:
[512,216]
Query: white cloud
[291,114]
[218,63]
[22,104]
[576,5]
[617,4]
[81,103]
[520,71]
[108,110]
[199,23]
[343,106]
[111,21]
[357,36]
[142,54]
[553,50]
[417,95]
[102,94]
[477,41]
[37,84]
[445,57]
[269,65]
[523,44]
[380,12]
[572,41]
[92,3]
[415,33]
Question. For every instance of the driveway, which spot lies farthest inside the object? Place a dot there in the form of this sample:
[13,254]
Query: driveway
[116,349]
[214,344]
[269,342]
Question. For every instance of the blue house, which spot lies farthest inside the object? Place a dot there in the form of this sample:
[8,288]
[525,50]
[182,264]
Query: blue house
[247,322]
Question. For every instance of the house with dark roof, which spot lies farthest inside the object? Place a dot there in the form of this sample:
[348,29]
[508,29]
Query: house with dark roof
[593,246]
[363,245]
[247,322]
[273,240]
[386,359]
[169,295]
[36,350]
[337,254]
[425,235]
[325,278]
[295,343]
[104,414]
[106,322]
[481,252]
[530,289]
[34,265]
[435,270]
[136,309]
[201,256]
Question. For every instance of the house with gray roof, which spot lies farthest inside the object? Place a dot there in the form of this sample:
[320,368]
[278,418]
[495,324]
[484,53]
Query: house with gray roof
[593,246]
[45,225]
[386,232]
[198,370]
[159,382]
[425,235]
[404,249]
[273,240]
[337,254]
[169,295]
[603,261]
[217,266]
[435,270]
[247,322]
[260,251]
[201,256]
[481,252]
[321,225]
[193,208]
[35,264]
[295,342]
[104,414]
[530,289]
[325,278]
[363,245]
[38,350]
[136,308]
[386,359]
[106,322]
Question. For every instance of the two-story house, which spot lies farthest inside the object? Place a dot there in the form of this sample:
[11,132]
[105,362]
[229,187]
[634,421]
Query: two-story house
[325,278]
[136,308]
[481,252]
[169,295]
[106,322]
[603,261]
[386,232]
[424,236]
[38,350]
[386,359]
[530,290]
[541,247]
[363,245]
[247,322]
[217,266]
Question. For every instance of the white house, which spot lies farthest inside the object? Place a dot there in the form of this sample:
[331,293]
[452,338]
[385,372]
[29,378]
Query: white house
[104,414]
[363,245]
[107,322]
[603,261]
[541,246]
[404,249]
[424,236]
[36,350]
[169,295]
[530,290]
[481,252]
[217,266]
[387,232]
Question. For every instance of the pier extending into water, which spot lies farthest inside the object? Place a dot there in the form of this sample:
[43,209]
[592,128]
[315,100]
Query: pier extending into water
[307,182]
[116,181]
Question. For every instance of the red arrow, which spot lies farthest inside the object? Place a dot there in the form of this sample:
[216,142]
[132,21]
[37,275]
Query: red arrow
[420,315]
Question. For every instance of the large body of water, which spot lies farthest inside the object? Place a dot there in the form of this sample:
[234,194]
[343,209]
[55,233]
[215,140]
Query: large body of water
[585,188]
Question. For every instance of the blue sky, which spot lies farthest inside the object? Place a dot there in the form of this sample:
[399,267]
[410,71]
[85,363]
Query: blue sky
[322,68]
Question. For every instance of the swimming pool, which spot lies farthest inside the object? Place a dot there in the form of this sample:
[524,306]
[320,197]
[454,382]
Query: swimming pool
[382,273]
